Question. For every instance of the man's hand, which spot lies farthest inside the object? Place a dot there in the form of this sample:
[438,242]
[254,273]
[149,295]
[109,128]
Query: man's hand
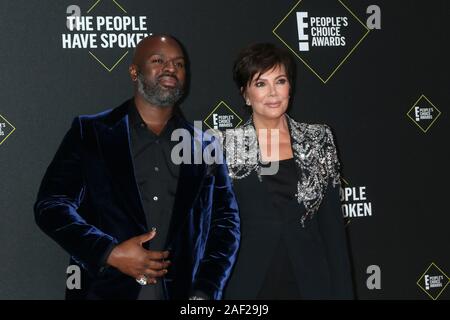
[133,260]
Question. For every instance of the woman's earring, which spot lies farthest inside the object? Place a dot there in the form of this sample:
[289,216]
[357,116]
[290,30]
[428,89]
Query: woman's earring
[247,102]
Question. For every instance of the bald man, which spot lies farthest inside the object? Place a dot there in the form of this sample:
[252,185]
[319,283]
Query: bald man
[139,225]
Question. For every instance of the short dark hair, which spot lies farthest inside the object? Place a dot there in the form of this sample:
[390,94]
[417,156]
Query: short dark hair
[259,58]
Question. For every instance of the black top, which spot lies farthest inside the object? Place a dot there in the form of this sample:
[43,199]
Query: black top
[157,178]
[282,185]
[279,257]
[279,282]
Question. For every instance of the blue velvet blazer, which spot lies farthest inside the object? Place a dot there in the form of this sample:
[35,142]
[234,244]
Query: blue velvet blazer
[89,201]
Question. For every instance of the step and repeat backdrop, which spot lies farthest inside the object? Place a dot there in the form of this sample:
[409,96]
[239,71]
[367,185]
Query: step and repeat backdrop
[376,71]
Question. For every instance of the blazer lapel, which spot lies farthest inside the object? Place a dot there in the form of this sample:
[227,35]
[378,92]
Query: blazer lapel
[114,140]
[189,186]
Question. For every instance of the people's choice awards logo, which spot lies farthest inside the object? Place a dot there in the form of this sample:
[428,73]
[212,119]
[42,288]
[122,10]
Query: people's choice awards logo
[434,281]
[423,113]
[6,129]
[322,34]
[222,118]
[106,31]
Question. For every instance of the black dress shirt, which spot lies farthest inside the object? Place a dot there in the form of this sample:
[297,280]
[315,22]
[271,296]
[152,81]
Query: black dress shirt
[157,178]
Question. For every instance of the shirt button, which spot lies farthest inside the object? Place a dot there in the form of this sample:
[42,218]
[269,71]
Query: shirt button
[156,169]
[155,198]
[157,141]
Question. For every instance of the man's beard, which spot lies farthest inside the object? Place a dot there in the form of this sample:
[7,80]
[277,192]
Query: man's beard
[157,95]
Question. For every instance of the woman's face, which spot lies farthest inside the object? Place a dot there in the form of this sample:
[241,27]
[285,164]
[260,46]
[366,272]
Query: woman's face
[268,95]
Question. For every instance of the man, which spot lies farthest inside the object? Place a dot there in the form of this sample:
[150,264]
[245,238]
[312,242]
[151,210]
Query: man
[139,225]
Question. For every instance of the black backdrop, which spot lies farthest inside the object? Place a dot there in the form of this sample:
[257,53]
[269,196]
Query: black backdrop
[398,69]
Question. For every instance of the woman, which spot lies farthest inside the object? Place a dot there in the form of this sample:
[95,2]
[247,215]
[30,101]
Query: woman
[286,179]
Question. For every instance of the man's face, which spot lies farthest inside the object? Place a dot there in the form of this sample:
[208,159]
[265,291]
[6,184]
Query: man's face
[161,76]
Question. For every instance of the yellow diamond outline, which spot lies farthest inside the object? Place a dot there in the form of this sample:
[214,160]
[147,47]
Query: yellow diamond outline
[304,62]
[98,1]
[229,108]
[14,129]
[448,281]
[93,55]
[414,121]
[103,65]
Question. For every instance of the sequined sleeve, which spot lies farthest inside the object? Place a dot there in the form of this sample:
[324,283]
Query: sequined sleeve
[332,160]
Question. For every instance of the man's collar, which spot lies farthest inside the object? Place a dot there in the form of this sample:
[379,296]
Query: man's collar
[136,121]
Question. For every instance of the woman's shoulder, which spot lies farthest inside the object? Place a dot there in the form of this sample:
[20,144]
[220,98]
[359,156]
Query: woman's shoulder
[315,132]
[319,137]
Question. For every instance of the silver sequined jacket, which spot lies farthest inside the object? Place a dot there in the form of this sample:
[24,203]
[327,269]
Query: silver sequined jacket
[314,153]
